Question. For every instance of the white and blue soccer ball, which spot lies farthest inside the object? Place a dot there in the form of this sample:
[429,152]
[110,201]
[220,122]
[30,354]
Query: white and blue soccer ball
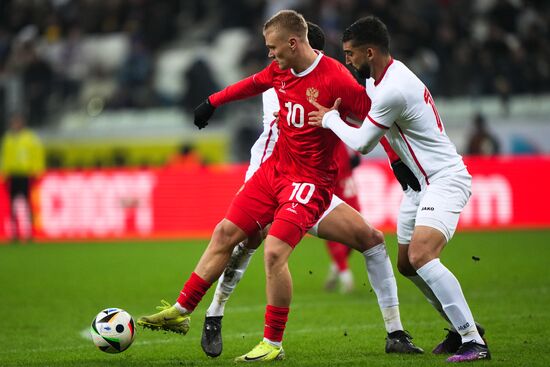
[113,330]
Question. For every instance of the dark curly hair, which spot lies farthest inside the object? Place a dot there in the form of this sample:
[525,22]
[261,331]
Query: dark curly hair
[368,30]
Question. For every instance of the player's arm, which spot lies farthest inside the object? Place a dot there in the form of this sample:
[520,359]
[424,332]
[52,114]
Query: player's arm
[381,116]
[362,139]
[248,87]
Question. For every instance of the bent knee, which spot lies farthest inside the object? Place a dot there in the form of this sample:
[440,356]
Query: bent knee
[377,237]
[371,237]
[405,268]
[418,258]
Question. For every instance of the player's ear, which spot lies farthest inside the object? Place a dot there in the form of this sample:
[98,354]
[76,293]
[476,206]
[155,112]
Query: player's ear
[371,52]
[292,43]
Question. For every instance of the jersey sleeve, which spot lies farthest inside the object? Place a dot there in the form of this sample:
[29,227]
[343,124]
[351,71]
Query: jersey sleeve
[386,108]
[362,139]
[248,87]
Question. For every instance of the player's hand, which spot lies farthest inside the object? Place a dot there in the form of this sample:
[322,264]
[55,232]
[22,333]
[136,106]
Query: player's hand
[316,117]
[203,112]
[405,176]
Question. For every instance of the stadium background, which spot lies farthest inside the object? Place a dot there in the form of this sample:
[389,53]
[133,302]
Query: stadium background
[109,86]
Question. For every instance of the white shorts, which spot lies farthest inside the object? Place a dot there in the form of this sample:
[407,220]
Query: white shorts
[333,204]
[438,206]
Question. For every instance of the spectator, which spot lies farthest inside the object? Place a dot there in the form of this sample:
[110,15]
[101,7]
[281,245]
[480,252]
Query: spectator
[186,158]
[481,141]
[22,158]
[200,82]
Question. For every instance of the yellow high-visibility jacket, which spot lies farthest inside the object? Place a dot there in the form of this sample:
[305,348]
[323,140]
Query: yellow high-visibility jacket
[22,154]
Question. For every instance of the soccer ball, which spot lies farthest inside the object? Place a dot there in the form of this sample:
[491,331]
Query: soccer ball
[113,330]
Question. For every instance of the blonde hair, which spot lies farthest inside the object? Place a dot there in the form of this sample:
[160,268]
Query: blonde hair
[290,21]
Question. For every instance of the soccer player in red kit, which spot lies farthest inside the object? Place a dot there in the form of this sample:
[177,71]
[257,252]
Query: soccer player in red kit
[291,189]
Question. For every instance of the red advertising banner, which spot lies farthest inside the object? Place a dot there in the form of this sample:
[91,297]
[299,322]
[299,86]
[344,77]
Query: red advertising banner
[174,202]
[506,193]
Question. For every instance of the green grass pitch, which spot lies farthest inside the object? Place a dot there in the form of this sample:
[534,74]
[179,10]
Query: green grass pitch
[49,294]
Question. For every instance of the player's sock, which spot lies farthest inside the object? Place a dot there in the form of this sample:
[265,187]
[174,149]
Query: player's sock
[275,344]
[339,255]
[275,323]
[383,282]
[240,258]
[447,289]
[346,276]
[192,293]
[430,296]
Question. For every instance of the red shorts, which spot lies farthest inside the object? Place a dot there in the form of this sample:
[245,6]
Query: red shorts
[270,197]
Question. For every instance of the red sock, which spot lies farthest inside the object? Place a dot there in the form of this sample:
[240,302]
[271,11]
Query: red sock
[339,254]
[275,322]
[192,292]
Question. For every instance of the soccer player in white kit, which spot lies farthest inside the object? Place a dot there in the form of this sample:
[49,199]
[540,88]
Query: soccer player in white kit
[329,225]
[403,110]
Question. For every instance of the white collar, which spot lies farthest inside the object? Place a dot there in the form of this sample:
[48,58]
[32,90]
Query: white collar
[310,68]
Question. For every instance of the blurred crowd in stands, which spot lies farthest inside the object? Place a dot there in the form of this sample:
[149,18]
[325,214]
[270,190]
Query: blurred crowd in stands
[61,54]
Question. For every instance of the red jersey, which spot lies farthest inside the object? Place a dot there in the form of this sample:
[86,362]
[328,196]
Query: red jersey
[304,152]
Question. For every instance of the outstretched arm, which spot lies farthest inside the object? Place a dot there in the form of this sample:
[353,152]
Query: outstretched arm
[362,139]
[245,88]
[248,87]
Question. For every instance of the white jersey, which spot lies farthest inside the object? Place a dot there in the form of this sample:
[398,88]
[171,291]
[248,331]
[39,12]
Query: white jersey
[403,109]
[263,147]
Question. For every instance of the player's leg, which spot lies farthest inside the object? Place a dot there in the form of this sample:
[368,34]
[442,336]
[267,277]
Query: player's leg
[339,271]
[211,341]
[405,226]
[251,209]
[295,216]
[278,291]
[433,229]
[407,270]
[346,225]
[452,340]
[176,318]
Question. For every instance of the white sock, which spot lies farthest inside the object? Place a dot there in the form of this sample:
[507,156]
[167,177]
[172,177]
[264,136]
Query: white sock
[180,308]
[447,290]
[346,280]
[430,296]
[392,318]
[275,344]
[240,258]
[345,276]
[382,280]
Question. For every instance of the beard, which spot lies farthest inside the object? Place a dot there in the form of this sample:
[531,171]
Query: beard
[363,71]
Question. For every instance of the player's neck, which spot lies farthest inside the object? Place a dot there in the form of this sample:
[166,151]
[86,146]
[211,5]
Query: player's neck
[379,66]
[305,61]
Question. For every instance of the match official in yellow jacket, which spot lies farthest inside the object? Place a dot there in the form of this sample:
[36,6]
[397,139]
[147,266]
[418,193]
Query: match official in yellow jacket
[22,160]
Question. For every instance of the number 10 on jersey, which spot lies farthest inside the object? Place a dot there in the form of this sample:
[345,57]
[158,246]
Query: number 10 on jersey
[295,114]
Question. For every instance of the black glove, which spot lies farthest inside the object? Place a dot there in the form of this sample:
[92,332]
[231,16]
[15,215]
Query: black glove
[203,112]
[405,176]
[354,161]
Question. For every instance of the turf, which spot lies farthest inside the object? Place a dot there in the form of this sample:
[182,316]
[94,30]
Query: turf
[49,294]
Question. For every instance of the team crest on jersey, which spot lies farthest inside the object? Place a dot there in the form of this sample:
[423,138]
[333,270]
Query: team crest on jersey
[312,94]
